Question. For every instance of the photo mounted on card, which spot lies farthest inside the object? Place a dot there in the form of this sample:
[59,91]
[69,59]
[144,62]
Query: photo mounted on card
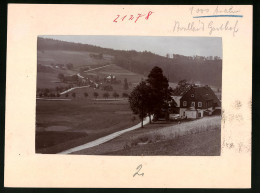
[140,92]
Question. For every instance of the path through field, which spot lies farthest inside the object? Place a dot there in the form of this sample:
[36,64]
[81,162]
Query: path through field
[66,91]
[104,139]
[97,68]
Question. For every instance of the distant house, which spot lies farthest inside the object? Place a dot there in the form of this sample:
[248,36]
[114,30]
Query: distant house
[110,78]
[196,102]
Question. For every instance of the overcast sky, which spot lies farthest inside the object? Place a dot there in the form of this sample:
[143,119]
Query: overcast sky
[188,46]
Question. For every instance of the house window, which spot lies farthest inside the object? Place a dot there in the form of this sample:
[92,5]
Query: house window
[184,103]
[199,104]
[192,95]
[192,104]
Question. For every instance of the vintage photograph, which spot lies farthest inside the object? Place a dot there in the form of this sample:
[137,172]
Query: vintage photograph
[129,95]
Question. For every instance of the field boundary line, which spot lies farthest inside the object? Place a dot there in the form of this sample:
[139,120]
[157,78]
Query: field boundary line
[45,99]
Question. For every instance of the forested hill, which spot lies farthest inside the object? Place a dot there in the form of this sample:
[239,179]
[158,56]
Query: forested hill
[197,69]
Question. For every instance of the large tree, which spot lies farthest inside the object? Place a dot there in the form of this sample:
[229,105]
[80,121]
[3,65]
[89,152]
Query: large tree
[138,100]
[159,90]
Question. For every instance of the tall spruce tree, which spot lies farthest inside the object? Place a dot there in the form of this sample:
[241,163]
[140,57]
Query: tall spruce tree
[159,91]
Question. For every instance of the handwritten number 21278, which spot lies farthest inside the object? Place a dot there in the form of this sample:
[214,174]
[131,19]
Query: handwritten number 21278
[132,17]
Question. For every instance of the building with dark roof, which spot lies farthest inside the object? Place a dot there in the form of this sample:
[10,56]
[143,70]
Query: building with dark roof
[197,101]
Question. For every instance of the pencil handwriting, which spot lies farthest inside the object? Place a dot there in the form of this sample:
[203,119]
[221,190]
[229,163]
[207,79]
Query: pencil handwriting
[213,10]
[211,27]
[138,170]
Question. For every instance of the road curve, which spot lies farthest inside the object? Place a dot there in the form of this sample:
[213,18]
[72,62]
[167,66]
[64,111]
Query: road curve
[103,139]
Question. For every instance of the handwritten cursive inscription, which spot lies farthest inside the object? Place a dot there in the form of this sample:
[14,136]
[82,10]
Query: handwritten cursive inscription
[228,10]
[138,170]
[214,10]
[211,27]
[200,21]
[191,26]
[227,26]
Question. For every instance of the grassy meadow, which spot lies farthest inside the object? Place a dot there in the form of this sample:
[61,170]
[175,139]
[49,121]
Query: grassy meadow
[52,58]
[198,137]
[206,143]
[77,58]
[118,71]
[59,122]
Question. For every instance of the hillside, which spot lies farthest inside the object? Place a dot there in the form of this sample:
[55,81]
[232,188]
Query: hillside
[92,67]
[205,71]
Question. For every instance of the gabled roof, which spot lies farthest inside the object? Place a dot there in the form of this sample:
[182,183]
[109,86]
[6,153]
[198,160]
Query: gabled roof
[203,92]
[206,93]
[215,98]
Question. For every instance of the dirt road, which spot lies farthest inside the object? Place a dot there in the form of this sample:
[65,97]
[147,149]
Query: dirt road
[104,139]
[71,89]
[97,68]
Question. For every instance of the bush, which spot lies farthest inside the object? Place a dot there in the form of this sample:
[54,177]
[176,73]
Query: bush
[52,95]
[106,95]
[125,95]
[95,94]
[115,94]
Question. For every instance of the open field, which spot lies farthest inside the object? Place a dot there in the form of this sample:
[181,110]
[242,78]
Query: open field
[132,79]
[64,124]
[118,71]
[77,58]
[206,143]
[50,58]
[48,80]
[198,137]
